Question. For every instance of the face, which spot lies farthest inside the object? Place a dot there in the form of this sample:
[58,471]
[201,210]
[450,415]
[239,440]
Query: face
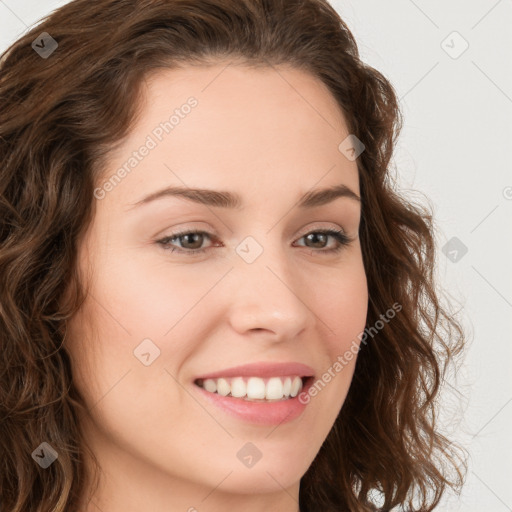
[266,284]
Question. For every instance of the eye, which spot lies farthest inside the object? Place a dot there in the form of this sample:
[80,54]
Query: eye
[191,241]
[322,235]
[193,237]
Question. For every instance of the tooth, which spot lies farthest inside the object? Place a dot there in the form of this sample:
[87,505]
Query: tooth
[274,389]
[223,387]
[238,387]
[210,385]
[287,386]
[296,386]
[255,388]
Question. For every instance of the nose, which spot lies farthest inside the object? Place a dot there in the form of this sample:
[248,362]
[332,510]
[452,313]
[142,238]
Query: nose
[269,295]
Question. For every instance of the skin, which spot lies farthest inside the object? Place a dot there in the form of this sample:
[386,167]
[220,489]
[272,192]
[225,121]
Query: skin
[269,135]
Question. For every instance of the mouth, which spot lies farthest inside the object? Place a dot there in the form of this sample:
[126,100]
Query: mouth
[256,389]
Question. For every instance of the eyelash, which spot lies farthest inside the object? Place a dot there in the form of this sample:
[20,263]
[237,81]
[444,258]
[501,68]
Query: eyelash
[342,239]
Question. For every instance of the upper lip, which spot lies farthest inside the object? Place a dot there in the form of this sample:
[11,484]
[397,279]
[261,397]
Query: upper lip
[262,370]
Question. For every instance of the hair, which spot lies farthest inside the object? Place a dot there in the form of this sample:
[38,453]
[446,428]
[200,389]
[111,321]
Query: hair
[61,116]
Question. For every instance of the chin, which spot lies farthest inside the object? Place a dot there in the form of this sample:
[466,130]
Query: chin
[258,481]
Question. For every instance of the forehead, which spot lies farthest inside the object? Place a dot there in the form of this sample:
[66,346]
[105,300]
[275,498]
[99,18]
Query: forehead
[274,126]
[265,98]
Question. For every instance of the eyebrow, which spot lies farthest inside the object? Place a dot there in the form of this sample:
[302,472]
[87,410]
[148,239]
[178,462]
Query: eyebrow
[225,199]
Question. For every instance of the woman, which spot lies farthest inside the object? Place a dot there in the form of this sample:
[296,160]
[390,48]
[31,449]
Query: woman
[212,297]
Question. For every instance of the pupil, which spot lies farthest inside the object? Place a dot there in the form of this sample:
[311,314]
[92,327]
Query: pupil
[194,235]
[313,236]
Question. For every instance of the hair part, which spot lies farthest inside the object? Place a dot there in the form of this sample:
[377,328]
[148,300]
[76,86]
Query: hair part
[61,118]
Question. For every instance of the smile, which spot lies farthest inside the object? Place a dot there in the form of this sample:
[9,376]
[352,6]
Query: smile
[254,388]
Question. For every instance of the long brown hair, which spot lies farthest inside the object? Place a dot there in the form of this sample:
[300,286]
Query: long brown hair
[61,114]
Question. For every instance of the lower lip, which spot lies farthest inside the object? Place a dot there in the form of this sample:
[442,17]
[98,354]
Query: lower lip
[262,413]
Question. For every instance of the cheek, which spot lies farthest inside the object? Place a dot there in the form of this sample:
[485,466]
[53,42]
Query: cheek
[131,302]
[340,302]
[149,298]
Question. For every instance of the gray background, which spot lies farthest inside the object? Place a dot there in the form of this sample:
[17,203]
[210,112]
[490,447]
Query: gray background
[456,149]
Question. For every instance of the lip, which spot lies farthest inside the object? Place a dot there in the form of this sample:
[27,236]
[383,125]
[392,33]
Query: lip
[263,370]
[260,413]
